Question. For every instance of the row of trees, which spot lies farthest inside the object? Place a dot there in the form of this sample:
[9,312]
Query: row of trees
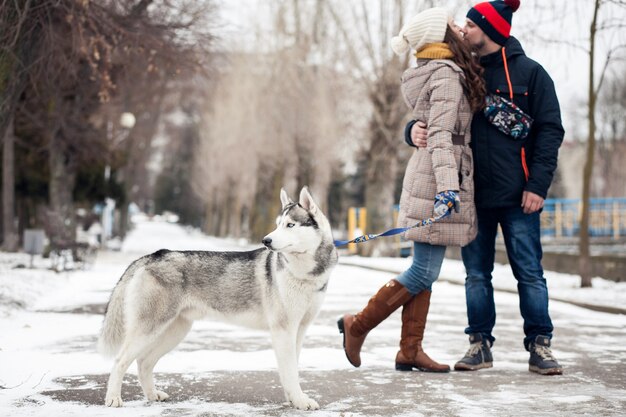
[68,70]
[294,111]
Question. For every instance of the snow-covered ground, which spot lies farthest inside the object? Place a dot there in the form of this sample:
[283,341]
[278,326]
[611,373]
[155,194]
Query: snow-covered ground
[32,298]
[49,324]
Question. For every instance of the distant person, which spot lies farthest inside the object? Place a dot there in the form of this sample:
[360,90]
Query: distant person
[512,176]
[443,90]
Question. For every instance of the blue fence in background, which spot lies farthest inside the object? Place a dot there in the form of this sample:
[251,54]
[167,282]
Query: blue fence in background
[561,217]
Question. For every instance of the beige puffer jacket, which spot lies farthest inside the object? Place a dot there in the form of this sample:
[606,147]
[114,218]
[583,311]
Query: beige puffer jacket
[433,90]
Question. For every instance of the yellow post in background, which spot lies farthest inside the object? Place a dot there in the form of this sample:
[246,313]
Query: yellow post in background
[616,222]
[357,217]
[362,219]
[579,212]
[351,227]
[395,224]
[558,220]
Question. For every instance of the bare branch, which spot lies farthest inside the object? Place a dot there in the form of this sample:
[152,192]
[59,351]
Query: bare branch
[22,17]
[553,41]
[354,57]
[366,36]
[612,24]
[607,62]
[139,9]
[621,3]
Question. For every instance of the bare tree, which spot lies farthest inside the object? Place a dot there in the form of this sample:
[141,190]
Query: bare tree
[612,135]
[606,24]
[73,65]
[18,48]
[176,51]
[10,241]
[594,87]
[373,63]
[311,50]
[272,122]
[231,132]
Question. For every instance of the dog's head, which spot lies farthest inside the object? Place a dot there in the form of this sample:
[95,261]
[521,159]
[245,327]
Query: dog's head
[301,227]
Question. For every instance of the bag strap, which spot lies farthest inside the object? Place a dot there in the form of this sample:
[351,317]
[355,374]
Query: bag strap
[506,72]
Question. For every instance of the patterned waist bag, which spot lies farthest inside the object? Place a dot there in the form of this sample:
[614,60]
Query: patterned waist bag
[507,117]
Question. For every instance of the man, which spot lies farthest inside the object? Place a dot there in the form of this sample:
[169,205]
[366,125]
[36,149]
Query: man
[512,177]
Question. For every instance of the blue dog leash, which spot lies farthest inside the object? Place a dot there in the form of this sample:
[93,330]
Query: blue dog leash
[395,231]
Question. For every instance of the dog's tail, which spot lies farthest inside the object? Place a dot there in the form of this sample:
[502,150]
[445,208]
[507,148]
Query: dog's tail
[113,326]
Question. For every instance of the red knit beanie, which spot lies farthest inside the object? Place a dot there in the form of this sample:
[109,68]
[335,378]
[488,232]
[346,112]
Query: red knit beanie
[494,18]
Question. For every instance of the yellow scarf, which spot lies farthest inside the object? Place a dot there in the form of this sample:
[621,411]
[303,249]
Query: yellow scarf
[438,50]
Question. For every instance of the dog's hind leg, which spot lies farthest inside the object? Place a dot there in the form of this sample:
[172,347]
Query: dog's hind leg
[286,350]
[131,348]
[166,341]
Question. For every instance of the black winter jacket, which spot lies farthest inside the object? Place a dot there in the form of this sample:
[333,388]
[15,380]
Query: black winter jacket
[505,167]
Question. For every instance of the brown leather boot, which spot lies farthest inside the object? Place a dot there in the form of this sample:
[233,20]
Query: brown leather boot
[355,327]
[411,354]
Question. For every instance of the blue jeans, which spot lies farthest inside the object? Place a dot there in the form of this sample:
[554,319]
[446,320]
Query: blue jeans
[523,247]
[424,270]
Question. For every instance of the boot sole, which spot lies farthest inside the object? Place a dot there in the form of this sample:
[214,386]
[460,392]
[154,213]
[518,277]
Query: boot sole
[403,367]
[342,331]
[548,371]
[466,367]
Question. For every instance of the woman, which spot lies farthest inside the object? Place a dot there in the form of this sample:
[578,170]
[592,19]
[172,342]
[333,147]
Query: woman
[443,90]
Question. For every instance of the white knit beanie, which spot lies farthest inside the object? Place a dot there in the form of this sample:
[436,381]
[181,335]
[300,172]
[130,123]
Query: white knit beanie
[426,27]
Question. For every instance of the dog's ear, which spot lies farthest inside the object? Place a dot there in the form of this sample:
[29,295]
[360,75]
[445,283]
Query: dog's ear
[284,198]
[307,201]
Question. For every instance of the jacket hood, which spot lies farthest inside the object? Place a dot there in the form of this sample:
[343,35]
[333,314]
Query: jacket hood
[512,48]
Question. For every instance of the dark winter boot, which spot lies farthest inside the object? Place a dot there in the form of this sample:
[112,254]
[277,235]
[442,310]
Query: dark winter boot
[478,356]
[355,327]
[541,359]
[411,354]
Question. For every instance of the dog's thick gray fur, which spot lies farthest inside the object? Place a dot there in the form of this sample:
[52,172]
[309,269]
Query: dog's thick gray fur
[279,288]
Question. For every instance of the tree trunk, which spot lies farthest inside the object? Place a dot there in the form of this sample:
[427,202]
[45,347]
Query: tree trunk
[224,214]
[14,64]
[235,226]
[122,226]
[211,221]
[267,204]
[62,181]
[139,141]
[382,160]
[379,199]
[11,240]
[584,259]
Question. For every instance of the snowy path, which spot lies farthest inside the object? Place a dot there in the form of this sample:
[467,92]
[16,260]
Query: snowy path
[49,367]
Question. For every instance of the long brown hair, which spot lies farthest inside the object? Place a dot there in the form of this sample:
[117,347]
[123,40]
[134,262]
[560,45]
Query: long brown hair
[474,84]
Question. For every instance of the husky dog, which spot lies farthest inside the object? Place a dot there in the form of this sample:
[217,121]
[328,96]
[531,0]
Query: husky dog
[279,288]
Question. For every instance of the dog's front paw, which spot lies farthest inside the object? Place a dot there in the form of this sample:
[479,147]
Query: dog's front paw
[158,396]
[113,401]
[303,402]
